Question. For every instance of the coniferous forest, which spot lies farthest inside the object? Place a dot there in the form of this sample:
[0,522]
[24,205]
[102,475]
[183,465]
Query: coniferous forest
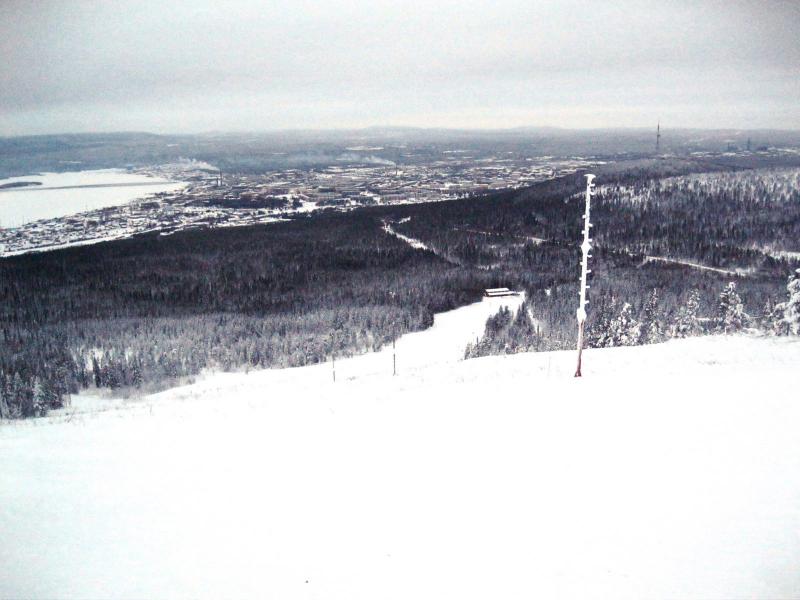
[151,311]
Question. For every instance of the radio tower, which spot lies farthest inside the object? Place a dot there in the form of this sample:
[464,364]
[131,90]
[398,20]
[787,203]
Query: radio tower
[658,136]
[586,246]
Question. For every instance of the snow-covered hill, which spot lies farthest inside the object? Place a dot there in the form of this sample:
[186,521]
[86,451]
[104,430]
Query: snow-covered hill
[666,471]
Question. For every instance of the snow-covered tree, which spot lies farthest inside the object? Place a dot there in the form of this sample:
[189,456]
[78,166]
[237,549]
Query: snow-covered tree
[5,412]
[136,373]
[624,330]
[767,320]
[687,323]
[732,317]
[652,329]
[39,400]
[98,380]
[789,311]
[599,333]
[18,395]
[507,333]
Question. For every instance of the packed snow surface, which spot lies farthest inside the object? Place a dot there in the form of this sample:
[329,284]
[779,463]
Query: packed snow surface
[64,194]
[667,471]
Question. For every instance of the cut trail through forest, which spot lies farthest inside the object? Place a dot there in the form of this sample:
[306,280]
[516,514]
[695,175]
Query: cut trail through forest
[418,244]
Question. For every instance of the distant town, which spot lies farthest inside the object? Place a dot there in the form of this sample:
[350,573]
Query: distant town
[213,198]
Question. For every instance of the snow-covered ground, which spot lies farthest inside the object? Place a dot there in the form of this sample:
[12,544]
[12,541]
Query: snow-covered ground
[63,194]
[783,254]
[668,471]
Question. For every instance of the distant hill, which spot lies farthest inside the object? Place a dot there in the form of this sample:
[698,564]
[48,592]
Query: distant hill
[260,151]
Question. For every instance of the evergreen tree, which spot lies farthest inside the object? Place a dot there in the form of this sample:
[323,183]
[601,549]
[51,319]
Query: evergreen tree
[136,373]
[652,329]
[499,321]
[39,399]
[599,333]
[789,311]
[732,317]
[19,393]
[96,374]
[768,319]
[522,333]
[506,333]
[5,412]
[687,323]
[624,330]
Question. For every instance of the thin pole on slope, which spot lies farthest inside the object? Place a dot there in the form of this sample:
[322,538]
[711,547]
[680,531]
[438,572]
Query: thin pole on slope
[586,246]
[333,355]
[394,338]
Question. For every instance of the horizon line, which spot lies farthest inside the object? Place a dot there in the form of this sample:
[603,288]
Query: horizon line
[518,128]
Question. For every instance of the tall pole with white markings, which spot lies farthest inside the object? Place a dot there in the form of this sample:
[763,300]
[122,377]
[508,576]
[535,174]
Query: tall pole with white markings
[586,246]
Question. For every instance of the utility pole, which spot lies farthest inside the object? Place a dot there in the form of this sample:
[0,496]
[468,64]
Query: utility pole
[586,246]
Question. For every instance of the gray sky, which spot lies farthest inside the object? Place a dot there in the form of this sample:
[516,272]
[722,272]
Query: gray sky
[167,66]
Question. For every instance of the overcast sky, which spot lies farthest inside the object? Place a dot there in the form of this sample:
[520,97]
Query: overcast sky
[195,66]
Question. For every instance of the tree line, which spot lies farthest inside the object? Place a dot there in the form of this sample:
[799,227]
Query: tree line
[154,310]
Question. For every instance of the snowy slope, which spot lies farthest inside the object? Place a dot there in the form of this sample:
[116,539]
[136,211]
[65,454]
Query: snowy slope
[667,471]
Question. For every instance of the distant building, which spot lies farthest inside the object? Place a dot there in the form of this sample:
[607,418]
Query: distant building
[497,292]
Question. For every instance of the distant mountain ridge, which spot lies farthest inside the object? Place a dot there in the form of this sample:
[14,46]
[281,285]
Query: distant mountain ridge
[268,150]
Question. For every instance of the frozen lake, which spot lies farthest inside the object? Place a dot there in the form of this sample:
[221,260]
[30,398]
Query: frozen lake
[63,194]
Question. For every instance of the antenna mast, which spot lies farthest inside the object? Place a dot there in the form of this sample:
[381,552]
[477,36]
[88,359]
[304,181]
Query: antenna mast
[586,246]
[658,136]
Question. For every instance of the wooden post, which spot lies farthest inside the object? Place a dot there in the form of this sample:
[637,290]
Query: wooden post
[394,359]
[580,347]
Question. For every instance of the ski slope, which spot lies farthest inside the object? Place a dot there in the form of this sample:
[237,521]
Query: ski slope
[668,471]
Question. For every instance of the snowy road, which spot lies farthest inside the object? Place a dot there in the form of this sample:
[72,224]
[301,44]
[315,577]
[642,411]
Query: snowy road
[413,242]
[694,265]
[671,471]
[418,244]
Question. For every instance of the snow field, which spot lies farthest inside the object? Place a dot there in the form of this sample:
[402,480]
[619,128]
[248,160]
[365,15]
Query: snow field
[666,471]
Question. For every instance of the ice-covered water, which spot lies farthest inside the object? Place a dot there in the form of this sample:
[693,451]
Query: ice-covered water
[63,194]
